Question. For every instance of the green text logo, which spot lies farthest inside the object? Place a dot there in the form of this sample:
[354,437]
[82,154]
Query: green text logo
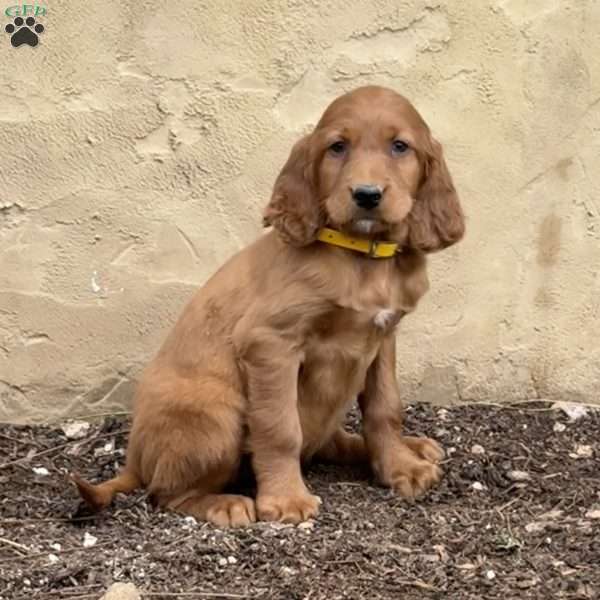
[23,10]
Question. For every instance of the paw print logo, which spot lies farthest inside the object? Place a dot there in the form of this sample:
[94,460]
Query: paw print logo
[24,31]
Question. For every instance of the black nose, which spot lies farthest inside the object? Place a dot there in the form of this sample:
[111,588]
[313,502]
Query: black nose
[367,196]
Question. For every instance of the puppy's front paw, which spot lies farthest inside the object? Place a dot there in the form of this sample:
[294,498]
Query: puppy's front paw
[412,468]
[424,448]
[415,478]
[288,509]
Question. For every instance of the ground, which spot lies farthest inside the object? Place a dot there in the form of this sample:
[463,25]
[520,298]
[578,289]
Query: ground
[517,515]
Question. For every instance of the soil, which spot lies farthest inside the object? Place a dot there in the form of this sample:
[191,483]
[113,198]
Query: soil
[516,516]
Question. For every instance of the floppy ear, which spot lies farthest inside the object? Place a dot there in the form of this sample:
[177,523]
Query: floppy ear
[294,208]
[436,220]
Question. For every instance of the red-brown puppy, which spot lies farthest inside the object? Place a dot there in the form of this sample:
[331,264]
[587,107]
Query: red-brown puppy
[268,356]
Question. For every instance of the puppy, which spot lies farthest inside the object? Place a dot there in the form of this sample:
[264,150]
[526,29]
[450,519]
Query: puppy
[268,356]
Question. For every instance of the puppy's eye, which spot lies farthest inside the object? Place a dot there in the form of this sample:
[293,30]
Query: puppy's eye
[400,147]
[338,147]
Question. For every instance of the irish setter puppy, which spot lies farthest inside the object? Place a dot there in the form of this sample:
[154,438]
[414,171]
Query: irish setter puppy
[270,353]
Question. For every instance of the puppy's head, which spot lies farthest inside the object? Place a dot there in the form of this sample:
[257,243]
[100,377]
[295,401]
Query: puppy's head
[370,168]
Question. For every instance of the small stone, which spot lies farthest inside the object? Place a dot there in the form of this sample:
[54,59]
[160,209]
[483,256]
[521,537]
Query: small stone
[288,571]
[593,514]
[232,560]
[75,430]
[53,559]
[519,475]
[223,562]
[572,410]
[56,547]
[443,414]
[582,451]
[477,449]
[190,521]
[122,591]
[41,471]
[477,486]
[535,527]
[108,448]
[490,575]
[277,526]
[559,427]
[89,540]
[307,525]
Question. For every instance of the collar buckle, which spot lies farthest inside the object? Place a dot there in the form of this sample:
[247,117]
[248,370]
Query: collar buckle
[373,248]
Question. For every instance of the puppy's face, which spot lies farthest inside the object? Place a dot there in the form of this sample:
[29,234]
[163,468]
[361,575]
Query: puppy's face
[369,162]
[370,168]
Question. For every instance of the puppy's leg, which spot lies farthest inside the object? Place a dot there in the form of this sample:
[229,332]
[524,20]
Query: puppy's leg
[192,450]
[344,449]
[271,367]
[406,464]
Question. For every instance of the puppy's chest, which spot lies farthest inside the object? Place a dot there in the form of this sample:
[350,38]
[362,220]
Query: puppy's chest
[367,323]
[349,333]
[365,309]
[344,343]
[374,309]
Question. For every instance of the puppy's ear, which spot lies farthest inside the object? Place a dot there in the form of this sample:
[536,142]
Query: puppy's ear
[294,208]
[436,220]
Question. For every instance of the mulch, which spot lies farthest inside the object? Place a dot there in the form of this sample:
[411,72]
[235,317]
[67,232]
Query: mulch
[516,516]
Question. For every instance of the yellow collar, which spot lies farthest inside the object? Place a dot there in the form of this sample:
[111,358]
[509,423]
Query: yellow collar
[373,248]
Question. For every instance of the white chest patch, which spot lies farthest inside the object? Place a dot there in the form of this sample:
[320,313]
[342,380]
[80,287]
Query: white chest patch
[386,318]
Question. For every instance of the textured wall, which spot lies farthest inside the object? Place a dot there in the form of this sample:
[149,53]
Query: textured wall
[140,141]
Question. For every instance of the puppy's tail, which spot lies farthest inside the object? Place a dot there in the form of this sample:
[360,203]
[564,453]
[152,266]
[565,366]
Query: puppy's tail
[100,496]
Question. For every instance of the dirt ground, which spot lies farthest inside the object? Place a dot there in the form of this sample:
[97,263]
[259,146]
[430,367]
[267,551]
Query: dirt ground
[516,516]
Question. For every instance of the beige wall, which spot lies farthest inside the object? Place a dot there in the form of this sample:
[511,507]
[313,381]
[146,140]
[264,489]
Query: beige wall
[139,142]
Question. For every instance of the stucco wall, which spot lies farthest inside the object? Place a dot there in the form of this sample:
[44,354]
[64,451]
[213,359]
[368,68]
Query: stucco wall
[139,142]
